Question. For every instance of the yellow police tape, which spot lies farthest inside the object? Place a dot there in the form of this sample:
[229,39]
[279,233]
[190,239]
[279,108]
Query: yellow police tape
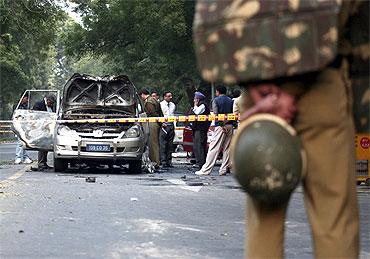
[189,118]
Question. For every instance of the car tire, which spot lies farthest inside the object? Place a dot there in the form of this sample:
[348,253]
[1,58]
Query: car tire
[134,167]
[60,165]
[174,147]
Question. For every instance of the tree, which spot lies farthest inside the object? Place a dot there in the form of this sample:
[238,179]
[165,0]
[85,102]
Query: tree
[27,33]
[150,41]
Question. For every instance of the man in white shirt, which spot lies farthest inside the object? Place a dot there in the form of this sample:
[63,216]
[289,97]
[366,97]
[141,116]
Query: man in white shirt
[167,132]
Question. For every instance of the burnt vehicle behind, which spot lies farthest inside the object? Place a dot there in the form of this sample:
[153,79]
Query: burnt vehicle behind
[100,139]
[103,141]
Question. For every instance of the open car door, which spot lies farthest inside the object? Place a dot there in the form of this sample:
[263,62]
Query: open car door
[33,127]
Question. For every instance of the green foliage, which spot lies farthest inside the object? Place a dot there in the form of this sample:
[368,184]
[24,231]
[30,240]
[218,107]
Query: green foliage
[150,41]
[27,33]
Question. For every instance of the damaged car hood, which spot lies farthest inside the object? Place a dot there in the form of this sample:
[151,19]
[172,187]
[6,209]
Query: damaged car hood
[114,93]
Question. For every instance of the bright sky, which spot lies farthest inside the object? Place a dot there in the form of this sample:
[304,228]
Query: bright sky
[69,9]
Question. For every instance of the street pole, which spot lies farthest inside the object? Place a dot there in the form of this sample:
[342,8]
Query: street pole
[213,90]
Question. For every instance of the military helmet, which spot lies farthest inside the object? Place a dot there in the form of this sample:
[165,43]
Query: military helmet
[268,159]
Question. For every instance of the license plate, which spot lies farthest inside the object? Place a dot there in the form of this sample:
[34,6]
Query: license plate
[97,148]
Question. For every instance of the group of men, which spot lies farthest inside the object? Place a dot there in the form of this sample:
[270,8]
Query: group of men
[161,133]
[222,133]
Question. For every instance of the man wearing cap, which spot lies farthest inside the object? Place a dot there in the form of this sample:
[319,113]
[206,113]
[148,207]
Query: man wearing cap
[222,104]
[46,104]
[153,109]
[200,129]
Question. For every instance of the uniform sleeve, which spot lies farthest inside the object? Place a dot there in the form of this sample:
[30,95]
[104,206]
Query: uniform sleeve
[150,109]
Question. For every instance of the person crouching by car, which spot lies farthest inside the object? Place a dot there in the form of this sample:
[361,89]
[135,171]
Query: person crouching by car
[46,104]
[200,129]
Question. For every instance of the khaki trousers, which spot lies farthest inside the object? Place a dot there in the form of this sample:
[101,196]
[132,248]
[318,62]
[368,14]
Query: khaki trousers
[325,126]
[154,143]
[220,140]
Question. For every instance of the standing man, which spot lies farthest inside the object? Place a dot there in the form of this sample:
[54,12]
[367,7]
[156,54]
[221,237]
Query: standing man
[222,104]
[47,104]
[153,109]
[322,97]
[20,152]
[200,129]
[167,132]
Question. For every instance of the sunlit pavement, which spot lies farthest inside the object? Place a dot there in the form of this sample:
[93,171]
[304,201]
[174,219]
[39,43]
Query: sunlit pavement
[169,214]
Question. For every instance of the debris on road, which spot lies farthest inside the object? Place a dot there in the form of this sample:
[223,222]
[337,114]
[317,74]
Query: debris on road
[134,199]
[90,179]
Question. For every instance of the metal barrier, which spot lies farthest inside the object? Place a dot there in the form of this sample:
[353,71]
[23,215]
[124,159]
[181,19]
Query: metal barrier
[6,131]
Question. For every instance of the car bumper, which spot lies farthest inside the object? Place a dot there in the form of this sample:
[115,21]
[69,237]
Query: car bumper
[120,149]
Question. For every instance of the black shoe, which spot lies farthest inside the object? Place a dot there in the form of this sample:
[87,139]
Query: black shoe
[44,167]
[164,165]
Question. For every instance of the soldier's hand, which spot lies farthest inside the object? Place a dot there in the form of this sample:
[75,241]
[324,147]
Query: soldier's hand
[269,98]
[267,104]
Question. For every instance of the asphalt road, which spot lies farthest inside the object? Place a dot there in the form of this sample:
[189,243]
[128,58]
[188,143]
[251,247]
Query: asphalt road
[172,214]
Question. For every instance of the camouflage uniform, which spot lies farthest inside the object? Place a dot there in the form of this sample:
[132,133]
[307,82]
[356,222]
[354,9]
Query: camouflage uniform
[356,47]
[298,53]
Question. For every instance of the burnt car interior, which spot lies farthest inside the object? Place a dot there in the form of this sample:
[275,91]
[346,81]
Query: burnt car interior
[101,97]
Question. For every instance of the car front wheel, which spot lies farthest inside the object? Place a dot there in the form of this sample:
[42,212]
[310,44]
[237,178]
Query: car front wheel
[134,167]
[60,165]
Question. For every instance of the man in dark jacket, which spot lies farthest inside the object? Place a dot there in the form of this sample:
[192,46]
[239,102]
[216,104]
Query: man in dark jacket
[223,132]
[200,129]
[46,104]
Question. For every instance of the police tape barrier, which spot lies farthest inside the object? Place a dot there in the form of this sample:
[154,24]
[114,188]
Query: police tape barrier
[188,118]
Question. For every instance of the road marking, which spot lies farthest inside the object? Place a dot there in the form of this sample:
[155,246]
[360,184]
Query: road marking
[184,186]
[15,176]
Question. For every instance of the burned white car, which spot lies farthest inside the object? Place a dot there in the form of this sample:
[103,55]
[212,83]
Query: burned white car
[100,140]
